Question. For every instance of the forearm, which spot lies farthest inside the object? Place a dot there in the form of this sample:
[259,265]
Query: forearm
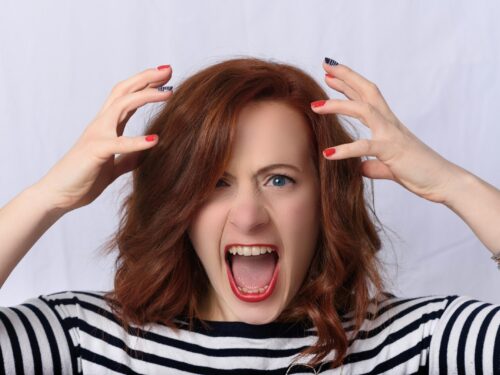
[23,221]
[478,204]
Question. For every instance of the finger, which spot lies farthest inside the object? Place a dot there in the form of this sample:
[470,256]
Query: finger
[361,147]
[148,78]
[121,126]
[363,111]
[376,169]
[366,89]
[341,86]
[123,145]
[125,163]
[122,106]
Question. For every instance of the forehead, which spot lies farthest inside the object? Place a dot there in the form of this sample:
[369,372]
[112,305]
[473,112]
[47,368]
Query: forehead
[271,130]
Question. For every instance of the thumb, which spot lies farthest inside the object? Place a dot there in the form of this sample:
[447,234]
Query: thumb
[126,162]
[374,168]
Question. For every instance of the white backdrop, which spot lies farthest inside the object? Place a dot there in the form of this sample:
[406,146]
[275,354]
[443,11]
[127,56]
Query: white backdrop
[437,64]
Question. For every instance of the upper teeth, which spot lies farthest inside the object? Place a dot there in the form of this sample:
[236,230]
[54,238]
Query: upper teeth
[250,250]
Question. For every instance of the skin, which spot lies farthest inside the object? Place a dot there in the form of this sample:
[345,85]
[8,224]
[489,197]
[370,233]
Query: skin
[242,214]
[90,166]
[269,208]
[402,157]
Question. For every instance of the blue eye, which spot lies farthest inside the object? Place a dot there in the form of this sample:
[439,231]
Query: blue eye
[276,177]
[281,177]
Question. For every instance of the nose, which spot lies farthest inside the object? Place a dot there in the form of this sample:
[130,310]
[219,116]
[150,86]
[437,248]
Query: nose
[248,211]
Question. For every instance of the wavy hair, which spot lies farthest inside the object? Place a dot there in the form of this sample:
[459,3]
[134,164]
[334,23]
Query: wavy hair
[158,274]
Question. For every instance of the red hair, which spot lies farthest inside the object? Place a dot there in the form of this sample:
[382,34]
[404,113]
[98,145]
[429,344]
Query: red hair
[159,276]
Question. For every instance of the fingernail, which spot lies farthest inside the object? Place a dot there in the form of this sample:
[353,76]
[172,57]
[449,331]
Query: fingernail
[330,61]
[329,151]
[318,103]
[328,75]
[151,138]
[165,88]
[163,67]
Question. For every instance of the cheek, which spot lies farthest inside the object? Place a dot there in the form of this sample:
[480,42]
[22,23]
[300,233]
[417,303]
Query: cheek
[301,215]
[205,232]
[299,227]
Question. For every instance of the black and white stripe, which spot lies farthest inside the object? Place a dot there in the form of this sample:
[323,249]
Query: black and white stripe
[33,340]
[76,332]
[467,340]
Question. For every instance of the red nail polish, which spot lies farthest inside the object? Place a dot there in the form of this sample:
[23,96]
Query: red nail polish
[163,67]
[328,75]
[329,151]
[318,103]
[151,138]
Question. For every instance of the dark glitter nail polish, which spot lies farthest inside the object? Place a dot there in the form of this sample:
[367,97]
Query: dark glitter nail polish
[165,88]
[330,61]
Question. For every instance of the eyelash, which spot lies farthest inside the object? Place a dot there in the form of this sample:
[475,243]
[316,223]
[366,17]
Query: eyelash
[273,176]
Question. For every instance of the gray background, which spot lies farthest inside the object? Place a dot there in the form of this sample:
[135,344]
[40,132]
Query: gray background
[435,62]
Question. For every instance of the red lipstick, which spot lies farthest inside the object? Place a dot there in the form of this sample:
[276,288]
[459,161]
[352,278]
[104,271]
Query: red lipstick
[252,297]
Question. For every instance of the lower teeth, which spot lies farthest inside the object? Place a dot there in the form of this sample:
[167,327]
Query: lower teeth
[253,291]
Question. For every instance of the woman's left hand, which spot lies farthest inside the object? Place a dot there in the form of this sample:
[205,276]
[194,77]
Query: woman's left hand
[400,155]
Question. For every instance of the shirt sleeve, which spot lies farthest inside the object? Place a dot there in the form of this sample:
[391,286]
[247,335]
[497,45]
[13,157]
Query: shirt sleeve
[467,338]
[40,336]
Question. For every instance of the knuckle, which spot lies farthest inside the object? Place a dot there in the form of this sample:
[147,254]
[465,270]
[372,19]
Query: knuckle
[121,143]
[120,106]
[372,90]
[119,87]
[367,111]
[112,114]
[152,93]
[365,145]
[343,69]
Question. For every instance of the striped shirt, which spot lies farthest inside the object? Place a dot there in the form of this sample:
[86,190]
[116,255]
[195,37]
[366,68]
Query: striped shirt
[76,332]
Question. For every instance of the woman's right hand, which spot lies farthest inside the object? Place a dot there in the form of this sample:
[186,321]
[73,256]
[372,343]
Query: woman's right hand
[90,165]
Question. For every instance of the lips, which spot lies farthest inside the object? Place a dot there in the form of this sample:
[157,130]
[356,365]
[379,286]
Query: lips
[249,297]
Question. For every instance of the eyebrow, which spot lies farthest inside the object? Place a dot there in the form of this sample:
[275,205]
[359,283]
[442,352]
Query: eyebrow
[270,167]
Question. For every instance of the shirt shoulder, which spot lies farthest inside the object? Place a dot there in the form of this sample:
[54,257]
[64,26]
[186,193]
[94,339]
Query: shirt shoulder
[467,337]
[42,334]
[75,304]
[438,334]
[395,335]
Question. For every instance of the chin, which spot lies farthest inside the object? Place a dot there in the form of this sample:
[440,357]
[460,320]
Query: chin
[256,314]
[262,312]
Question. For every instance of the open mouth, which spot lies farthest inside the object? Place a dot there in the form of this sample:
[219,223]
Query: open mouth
[252,277]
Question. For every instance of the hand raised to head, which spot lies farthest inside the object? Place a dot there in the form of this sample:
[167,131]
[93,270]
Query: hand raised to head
[400,155]
[90,165]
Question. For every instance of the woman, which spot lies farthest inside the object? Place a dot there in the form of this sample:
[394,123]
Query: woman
[220,270]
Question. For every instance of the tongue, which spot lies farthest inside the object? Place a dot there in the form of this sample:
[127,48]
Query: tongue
[253,272]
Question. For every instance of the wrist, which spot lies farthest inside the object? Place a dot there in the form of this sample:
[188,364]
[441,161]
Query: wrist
[461,185]
[44,200]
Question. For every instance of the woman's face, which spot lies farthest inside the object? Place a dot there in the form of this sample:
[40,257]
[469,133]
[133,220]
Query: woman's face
[265,209]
